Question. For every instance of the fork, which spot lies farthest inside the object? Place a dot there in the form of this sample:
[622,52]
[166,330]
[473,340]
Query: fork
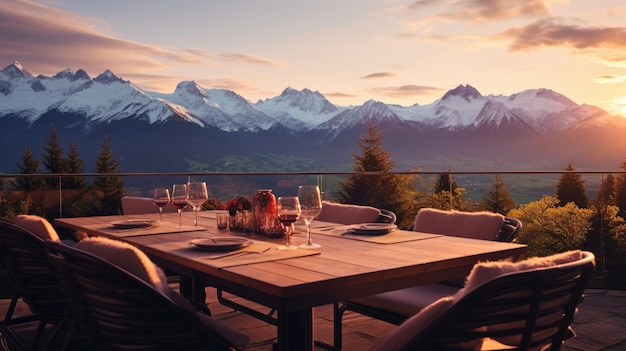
[243,253]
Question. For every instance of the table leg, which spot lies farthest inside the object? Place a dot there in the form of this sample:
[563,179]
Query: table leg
[193,288]
[295,330]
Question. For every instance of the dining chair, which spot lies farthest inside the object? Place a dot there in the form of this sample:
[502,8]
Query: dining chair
[27,265]
[398,305]
[121,299]
[528,305]
[143,205]
[353,214]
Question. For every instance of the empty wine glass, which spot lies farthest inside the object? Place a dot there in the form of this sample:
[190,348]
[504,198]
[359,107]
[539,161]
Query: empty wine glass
[179,200]
[288,209]
[310,205]
[197,195]
[161,197]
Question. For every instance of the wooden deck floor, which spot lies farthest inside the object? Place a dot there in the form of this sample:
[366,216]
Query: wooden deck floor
[599,324]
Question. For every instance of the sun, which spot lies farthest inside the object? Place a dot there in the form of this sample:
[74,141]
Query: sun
[618,105]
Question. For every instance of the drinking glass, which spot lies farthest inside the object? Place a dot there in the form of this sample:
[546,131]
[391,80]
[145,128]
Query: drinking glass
[161,197]
[197,195]
[179,200]
[310,205]
[288,209]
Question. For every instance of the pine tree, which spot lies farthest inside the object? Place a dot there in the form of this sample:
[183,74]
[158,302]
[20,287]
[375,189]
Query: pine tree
[388,191]
[74,164]
[606,191]
[620,191]
[29,165]
[110,188]
[445,182]
[571,188]
[53,161]
[499,200]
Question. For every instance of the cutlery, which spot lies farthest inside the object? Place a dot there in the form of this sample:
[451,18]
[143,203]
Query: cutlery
[241,253]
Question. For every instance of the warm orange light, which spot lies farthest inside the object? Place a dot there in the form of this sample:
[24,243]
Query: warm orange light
[619,105]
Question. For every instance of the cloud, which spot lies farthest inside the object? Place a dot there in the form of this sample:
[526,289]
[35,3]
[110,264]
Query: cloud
[48,40]
[422,4]
[406,90]
[227,84]
[557,32]
[379,75]
[340,95]
[482,10]
[610,78]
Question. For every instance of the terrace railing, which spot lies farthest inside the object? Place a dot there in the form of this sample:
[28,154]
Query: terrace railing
[524,187]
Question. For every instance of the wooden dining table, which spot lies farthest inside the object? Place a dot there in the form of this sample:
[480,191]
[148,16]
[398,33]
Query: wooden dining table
[294,282]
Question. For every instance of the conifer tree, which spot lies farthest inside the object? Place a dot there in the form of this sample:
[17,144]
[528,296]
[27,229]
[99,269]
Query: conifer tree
[110,188]
[448,195]
[499,200]
[53,161]
[571,188]
[606,191]
[389,191]
[74,164]
[29,165]
[620,191]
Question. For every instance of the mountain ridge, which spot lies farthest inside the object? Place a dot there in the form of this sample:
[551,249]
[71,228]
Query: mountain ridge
[461,122]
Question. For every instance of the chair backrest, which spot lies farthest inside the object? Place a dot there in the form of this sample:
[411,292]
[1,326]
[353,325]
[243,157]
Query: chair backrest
[510,228]
[353,214]
[478,225]
[120,311]
[530,309]
[27,265]
[143,205]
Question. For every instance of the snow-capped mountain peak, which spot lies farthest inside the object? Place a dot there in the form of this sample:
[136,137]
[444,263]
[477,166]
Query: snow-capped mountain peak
[191,88]
[299,110]
[71,75]
[15,70]
[108,77]
[102,98]
[466,92]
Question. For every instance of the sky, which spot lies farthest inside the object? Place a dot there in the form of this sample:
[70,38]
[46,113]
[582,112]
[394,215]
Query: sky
[351,51]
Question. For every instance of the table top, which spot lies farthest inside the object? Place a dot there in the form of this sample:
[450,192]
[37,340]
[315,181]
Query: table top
[343,268]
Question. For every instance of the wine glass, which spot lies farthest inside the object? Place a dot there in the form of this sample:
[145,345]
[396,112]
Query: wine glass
[311,205]
[197,195]
[288,209]
[179,200]
[161,197]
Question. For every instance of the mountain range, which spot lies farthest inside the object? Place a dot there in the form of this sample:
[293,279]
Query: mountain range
[199,129]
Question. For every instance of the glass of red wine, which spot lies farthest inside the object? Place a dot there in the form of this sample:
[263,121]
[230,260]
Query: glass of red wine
[161,197]
[288,210]
[179,200]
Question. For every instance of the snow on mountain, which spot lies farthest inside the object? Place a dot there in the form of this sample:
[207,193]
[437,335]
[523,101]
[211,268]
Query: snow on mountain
[240,109]
[15,70]
[30,97]
[541,108]
[373,111]
[108,97]
[299,110]
[221,108]
[457,109]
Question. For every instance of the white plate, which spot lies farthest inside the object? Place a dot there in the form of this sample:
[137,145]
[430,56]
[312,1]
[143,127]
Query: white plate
[373,228]
[134,223]
[223,243]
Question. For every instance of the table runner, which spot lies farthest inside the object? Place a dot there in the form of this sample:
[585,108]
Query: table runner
[159,228]
[209,257]
[395,236]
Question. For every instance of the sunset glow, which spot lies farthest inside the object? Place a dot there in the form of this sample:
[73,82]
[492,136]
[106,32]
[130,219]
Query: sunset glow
[401,52]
